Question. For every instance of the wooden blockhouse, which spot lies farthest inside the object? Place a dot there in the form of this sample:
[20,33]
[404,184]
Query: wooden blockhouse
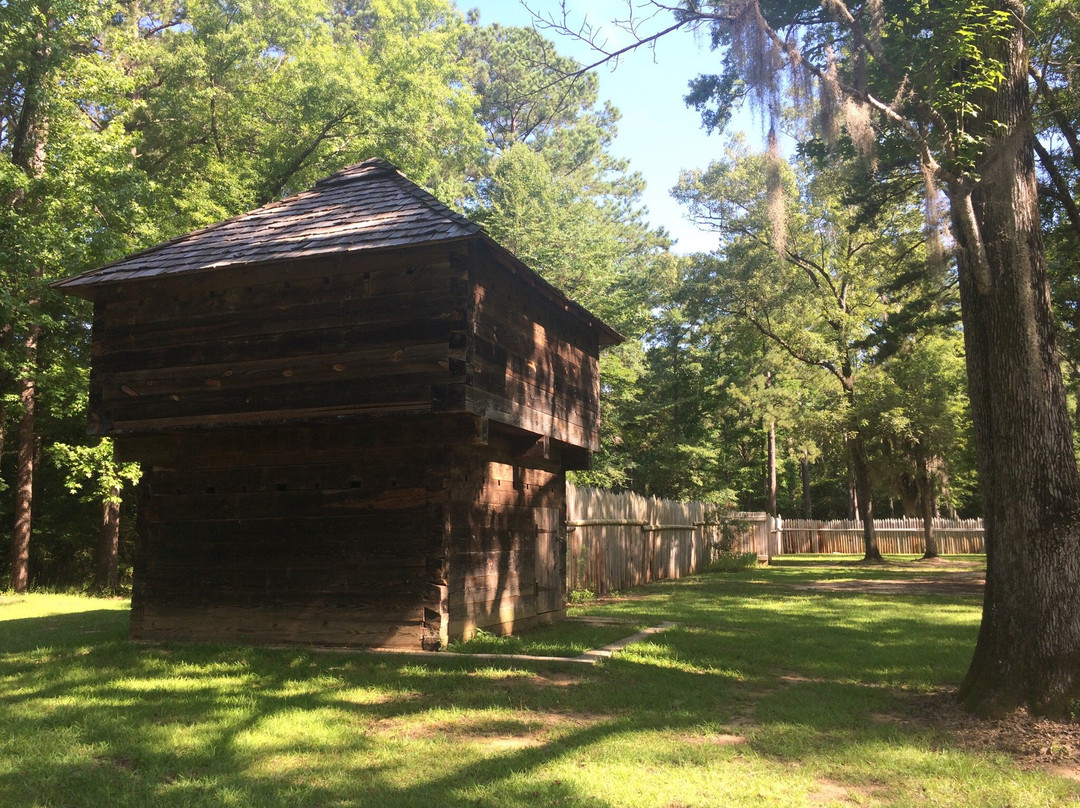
[354,411]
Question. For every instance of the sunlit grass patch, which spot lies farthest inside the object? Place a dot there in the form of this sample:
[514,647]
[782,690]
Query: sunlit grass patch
[566,639]
[767,692]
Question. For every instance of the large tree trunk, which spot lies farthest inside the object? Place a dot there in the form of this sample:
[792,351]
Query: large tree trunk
[861,469]
[105,559]
[24,469]
[1028,650]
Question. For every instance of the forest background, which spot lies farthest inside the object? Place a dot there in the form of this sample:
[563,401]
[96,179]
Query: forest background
[813,358]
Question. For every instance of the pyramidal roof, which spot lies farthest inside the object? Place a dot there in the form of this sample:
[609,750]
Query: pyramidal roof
[367,206]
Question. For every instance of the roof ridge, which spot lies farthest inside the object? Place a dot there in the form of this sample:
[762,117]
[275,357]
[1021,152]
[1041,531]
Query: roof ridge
[433,202]
[371,165]
[301,225]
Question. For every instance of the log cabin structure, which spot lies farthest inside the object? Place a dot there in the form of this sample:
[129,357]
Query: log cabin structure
[354,413]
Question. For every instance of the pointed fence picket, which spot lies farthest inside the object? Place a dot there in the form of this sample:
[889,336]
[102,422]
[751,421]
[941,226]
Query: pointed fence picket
[899,536]
[621,540]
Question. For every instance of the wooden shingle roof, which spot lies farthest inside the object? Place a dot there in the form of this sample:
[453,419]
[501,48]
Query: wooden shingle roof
[367,206]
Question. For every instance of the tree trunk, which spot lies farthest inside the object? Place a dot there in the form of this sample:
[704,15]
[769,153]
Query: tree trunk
[804,473]
[908,487]
[770,484]
[105,559]
[861,469]
[24,469]
[852,492]
[926,504]
[28,153]
[1028,650]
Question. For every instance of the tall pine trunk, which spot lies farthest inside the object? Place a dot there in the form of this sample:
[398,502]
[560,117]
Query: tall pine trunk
[26,455]
[926,506]
[804,475]
[770,474]
[28,154]
[1028,650]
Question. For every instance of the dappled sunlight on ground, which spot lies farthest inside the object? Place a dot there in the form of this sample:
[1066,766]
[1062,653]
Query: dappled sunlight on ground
[765,692]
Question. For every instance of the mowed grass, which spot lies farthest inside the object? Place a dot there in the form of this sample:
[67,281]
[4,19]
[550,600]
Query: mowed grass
[771,691]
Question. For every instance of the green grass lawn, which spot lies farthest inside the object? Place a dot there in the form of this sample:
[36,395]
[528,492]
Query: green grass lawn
[771,691]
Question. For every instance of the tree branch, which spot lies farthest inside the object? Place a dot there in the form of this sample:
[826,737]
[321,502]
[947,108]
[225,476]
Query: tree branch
[1061,187]
[766,331]
[586,34]
[1064,125]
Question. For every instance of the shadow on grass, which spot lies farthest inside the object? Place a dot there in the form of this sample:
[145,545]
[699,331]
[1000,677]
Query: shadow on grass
[62,630]
[796,683]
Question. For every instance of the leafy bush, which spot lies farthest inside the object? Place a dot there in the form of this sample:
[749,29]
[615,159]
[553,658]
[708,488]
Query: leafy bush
[724,552]
[580,596]
[733,562]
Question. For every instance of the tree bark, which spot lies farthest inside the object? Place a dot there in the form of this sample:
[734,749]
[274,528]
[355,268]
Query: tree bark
[908,487]
[28,154]
[105,559]
[852,493]
[1028,649]
[804,474]
[24,468]
[770,482]
[926,505]
[861,469]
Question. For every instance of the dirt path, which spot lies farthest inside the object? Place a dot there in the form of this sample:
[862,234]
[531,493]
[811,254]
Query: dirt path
[960,583]
[941,578]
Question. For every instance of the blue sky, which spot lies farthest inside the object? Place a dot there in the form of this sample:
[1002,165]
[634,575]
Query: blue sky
[657,133]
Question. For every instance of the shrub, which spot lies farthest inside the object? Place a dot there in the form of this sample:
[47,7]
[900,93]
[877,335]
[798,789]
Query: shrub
[580,596]
[733,562]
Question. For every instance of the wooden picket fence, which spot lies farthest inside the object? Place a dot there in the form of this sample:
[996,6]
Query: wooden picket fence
[893,536]
[620,540]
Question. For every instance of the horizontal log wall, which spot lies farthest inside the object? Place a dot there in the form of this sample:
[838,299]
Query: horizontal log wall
[505,542]
[330,535]
[321,339]
[530,365]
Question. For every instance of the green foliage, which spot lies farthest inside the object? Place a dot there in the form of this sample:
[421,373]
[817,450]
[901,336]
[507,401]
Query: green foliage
[577,596]
[916,407]
[529,94]
[792,339]
[732,562]
[93,470]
